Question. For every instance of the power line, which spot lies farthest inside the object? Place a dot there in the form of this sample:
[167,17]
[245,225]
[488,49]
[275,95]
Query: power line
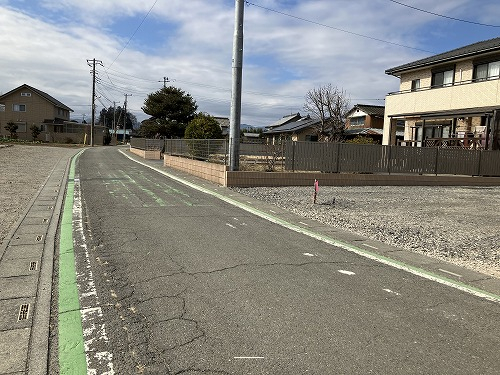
[337,28]
[443,16]
[138,27]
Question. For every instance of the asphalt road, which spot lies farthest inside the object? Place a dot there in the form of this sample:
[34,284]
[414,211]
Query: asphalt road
[185,283]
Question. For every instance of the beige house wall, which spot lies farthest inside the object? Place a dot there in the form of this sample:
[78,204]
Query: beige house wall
[37,109]
[458,96]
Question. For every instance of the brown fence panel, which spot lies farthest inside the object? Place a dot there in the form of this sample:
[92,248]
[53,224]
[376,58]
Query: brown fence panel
[489,163]
[413,160]
[456,161]
[312,156]
[362,158]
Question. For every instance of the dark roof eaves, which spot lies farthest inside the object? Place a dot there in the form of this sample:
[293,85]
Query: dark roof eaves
[445,57]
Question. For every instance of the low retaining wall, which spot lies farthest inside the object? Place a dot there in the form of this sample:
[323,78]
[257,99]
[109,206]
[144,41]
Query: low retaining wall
[219,174]
[208,171]
[251,179]
[156,155]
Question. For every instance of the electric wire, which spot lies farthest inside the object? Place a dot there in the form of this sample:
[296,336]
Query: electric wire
[337,28]
[132,36]
[442,15]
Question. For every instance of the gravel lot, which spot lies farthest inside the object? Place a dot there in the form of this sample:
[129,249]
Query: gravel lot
[459,224]
[23,170]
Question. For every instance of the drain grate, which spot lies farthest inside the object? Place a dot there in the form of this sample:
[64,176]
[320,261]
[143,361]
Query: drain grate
[24,312]
[39,237]
[33,266]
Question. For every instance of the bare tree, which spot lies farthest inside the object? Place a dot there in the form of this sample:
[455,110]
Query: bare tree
[329,105]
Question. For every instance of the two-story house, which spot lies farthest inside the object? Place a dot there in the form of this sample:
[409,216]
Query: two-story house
[364,120]
[27,106]
[449,100]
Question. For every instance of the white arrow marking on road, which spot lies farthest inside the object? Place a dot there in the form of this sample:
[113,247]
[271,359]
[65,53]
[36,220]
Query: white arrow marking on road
[350,273]
[309,255]
[229,225]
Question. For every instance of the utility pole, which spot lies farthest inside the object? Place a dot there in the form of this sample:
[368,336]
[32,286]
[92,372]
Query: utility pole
[235,118]
[114,120]
[125,118]
[94,62]
[165,80]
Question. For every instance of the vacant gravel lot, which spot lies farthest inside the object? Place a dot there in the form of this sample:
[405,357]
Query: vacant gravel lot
[459,224]
[23,170]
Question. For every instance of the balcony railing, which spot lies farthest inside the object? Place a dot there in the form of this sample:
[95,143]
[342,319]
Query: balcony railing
[470,143]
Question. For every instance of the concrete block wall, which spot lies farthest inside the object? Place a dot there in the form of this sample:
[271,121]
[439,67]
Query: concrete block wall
[209,171]
[153,155]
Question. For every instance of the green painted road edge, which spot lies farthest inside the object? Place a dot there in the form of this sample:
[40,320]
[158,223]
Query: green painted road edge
[72,359]
[343,245]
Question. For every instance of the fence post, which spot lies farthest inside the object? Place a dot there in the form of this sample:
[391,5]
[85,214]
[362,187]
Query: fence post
[436,163]
[389,159]
[479,162]
[293,156]
[337,168]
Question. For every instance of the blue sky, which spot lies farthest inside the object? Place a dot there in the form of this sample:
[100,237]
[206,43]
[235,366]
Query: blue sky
[290,47]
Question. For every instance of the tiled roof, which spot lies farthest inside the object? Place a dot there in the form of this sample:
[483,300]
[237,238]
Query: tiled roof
[44,95]
[284,120]
[372,110]
[294,126]
[470,50]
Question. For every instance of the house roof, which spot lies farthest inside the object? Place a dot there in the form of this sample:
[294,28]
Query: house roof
[491,45]
[44,95]
[372,110]
[291,127]
[369,131]
[284,120]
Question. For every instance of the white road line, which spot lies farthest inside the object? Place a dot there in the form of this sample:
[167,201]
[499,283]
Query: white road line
[448,272]
[230,225]
[350,273]
[93,326]
[308,254]
[272,211]
[370,246]
[391,291]
[300,222]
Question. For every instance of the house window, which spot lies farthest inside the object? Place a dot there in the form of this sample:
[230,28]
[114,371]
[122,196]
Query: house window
[26,94]
[19,107]
[415,85]
[357,121]
[487,71]
[2,107]
[443,78]
[21,127]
